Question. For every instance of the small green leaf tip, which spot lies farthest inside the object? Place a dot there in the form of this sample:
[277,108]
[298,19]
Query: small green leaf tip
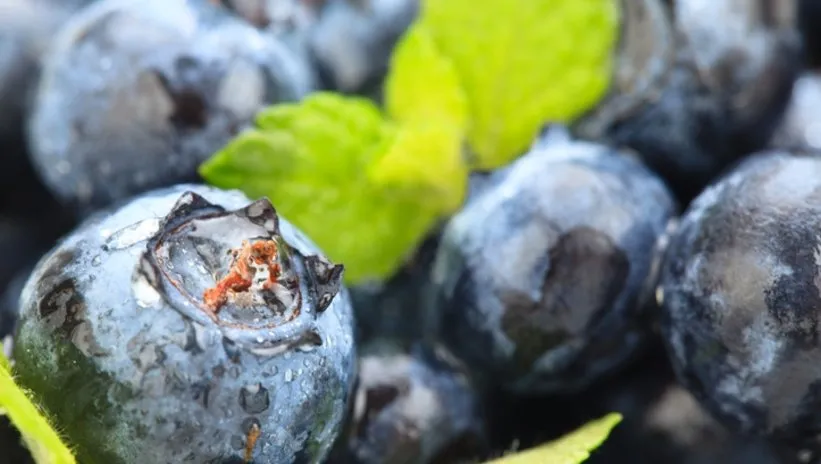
[573,448]
[363,188]
[521,64]
[42,440]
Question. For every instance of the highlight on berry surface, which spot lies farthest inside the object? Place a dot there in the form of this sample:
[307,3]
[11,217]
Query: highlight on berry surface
[43,442]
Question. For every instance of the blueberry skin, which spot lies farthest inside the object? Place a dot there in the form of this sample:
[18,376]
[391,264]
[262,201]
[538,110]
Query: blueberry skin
[135,95]
[722,96]
[413,406]
[539,279]
[740,297]
[132,371]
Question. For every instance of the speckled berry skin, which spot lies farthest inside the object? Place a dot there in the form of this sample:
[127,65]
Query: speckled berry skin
[740,291]
[538,280]
[113,339]
[134,95]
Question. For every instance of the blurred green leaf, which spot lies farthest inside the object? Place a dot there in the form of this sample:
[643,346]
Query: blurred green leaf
[520,64]
[573,448]
[422,86]
[42,440]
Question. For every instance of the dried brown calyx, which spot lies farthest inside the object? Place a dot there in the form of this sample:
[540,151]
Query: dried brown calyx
[254,269]
[262,285]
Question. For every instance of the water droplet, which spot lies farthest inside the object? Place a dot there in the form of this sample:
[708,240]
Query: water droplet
[306,348]
[146,295]
[96,261]
[133,234]
[254,399]
[289,375]
[307,363]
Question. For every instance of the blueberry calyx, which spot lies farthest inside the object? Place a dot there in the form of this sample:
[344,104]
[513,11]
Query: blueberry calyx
[234,269]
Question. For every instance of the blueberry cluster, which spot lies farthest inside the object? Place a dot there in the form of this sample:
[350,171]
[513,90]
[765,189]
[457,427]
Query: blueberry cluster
[660,256]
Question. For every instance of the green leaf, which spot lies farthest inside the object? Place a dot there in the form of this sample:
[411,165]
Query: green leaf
[42,440]
[573,448]
[364,189]
[424,161]
[422,86]
[520,63]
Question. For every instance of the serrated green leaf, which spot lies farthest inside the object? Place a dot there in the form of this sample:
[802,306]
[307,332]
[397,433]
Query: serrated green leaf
[422,86]
[573,448]
[42,440]
[521,64]
[341,172]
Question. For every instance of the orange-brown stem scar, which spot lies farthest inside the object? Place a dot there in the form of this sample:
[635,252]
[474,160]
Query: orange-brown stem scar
[240,278]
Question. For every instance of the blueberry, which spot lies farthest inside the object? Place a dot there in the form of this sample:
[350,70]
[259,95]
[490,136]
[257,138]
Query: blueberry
[189,326]
[801,127]
[413,407]
[739,289]
[26,26]
[135,95]
[538,280]
[714,97]
[353,40]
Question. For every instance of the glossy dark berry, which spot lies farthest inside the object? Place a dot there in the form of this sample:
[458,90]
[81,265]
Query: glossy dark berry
[189,324]
[740,296]
[413,407]
[135,95]
[538,281]
[708,88]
